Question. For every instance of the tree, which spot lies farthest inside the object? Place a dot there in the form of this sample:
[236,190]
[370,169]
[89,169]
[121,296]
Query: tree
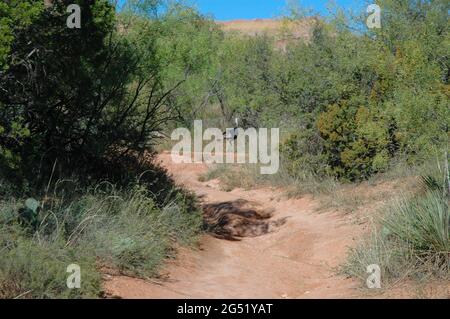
[80,97]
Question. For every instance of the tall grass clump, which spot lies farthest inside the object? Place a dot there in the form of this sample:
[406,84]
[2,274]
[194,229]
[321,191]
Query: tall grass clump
[135,235]
[422,224]
[125,230]
[412,238]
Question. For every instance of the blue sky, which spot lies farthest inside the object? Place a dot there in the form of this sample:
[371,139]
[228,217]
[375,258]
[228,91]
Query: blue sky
[252,9]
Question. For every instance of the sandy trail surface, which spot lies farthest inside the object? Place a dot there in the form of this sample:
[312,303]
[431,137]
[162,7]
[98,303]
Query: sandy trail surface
[295,260]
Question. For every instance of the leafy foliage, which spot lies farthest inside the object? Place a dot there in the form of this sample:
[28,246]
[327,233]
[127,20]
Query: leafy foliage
[75,98]
[370,96]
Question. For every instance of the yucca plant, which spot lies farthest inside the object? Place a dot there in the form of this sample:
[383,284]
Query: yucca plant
[423,222]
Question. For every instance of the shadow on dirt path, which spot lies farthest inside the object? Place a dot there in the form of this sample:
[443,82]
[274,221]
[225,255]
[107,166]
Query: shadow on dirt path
[232,220]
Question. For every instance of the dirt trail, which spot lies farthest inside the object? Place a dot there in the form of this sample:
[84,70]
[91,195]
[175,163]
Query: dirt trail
[295,260]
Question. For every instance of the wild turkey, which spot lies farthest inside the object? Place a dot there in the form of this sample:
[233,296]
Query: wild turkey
[230,135]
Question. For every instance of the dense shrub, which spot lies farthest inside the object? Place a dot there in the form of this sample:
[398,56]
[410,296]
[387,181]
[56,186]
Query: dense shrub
[304,151]
[358,141]
[369,95]
[73,98]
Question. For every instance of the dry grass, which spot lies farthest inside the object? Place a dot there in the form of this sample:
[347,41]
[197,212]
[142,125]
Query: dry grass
[120,229]
[332,195]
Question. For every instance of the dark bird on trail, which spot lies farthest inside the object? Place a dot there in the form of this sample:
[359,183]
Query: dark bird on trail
[231,134]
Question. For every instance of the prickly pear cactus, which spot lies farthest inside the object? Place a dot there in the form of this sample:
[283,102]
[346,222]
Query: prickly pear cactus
[29,214]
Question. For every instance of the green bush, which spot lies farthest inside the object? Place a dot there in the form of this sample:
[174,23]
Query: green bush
[304,151]
[370,96]
[86,96]
[358,142]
